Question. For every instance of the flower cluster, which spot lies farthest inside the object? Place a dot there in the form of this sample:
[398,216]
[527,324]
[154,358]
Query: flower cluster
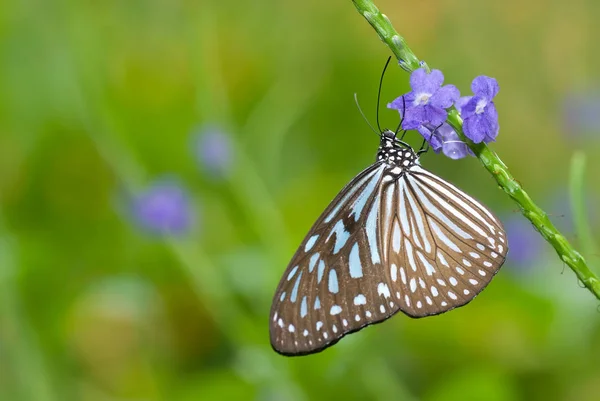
[425,110]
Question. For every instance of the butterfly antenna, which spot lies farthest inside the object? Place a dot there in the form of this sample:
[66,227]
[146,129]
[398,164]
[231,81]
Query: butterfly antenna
[379,90]
[401,119]
[363,114]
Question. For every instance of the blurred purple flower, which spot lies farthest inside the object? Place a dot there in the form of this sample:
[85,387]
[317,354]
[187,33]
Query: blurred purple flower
[212,148]
[524,241]
[428,100]
[163,208]
[479,112]
[581,114]
[445,139]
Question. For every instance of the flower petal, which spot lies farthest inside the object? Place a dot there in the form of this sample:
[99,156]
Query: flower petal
[445,96]
[430,135]
[461,102]
[455,149]
[468,109]
[478,127]
[435,115]
[485,87]
[420,81]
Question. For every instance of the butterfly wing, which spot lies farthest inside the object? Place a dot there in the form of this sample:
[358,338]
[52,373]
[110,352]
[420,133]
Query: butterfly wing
[444,247]
[387,242]
[336,277]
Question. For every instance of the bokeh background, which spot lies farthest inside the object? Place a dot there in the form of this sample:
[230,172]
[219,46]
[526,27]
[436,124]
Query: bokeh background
[160,161]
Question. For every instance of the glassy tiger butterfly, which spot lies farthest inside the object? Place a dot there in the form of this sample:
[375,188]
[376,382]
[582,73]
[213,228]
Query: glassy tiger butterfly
[396,238]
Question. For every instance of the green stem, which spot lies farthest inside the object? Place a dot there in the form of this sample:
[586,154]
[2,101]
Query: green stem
[409,62]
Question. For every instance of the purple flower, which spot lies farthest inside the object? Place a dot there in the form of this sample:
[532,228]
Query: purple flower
[212,148]
[428,100]
[479,112]
[525,242]
[444,139]
[163,208]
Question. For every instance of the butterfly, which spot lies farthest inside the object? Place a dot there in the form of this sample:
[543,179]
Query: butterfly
[396,238]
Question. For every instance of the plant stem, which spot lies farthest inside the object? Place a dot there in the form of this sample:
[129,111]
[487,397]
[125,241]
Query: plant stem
[409,62]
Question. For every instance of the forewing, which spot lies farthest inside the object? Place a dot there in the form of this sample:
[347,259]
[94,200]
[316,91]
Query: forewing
[335,283]
[445,245]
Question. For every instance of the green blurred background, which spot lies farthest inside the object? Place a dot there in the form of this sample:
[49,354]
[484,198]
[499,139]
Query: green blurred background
[247,108]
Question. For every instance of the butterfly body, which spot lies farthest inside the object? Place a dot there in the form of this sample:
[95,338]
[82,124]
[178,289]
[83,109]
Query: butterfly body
[396,238]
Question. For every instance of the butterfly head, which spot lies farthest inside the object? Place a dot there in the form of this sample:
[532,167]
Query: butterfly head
[396,152]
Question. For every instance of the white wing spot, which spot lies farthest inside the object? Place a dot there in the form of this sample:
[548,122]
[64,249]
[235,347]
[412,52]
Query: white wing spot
[428,266]
[397,294]
[442,259]
[304,307]
[421,282]
[292,272]
[413,284]
[402,275]
[382,289]
[434,291]
[487,264]
[305,333]
[473,281]
[396,237]
[444,303]
[280,323]
[310,243]
[291,328]
[494,255]
[474,255]
[459,270]
[451,295]
[394,272]
[334,328]
[357,318]
[360,299]
[453,281]
[441,282]
[313,261]
[368,314]
[429,301]
[481,247]
[391,304]
[335,310]
[345,322]
[500,248]
[382,308]
[333,282]
[466,263]
[482,272]
[325,335]
[275,316]
[317,303]
[407,300]
[294,294]
[319,325]
[320,271]
[419,304]
[282,297]
[466,292]
[354,263]
[501,239]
